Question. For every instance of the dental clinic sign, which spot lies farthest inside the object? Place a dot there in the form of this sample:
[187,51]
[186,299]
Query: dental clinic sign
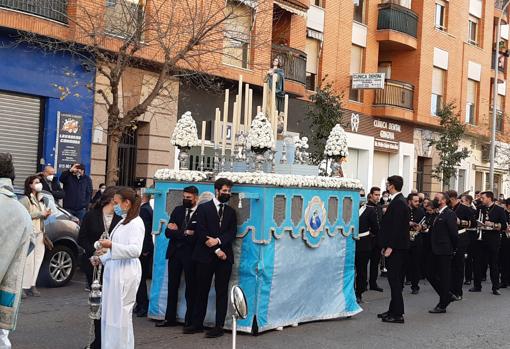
[387,133]
[368,81]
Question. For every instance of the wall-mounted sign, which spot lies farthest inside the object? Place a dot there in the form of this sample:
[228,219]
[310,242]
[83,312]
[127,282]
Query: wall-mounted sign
[69,134]
[368,81]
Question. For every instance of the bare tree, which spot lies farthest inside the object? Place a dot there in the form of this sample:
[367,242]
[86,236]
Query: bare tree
[175,39]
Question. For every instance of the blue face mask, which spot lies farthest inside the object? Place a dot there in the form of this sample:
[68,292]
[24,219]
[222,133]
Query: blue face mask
[118,210]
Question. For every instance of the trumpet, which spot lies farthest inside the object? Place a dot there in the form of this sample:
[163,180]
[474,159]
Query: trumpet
[413,233]
[479,228]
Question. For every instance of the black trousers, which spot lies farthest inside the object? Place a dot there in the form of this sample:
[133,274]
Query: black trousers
[142,298]
[180,262]
[395,265]
[504,261]
[487,253]
[439,276]
[375,259]
[457,276]
[413,272]
[361,263]
[204,272]
[469,262]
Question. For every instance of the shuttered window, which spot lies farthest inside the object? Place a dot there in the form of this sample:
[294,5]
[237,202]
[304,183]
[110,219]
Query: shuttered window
[238,25]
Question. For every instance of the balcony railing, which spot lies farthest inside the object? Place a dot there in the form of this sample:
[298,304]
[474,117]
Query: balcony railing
[51,9]
[399,18]
[293,62]
[395,93]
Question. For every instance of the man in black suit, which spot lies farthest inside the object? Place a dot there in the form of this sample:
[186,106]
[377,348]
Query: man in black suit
[395,244]
[181,232]
[374,197]
[492,221]
[444,236]
[51,184]
[142,298]
[216,230]
[417,214]
[504,252]
[368,230]
[466,220]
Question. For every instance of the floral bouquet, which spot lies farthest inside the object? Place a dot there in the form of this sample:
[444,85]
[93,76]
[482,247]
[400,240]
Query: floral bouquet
[185,133]
[336,145]
[260,137]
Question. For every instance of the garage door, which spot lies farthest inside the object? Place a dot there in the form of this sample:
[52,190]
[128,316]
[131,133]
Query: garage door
[19,132]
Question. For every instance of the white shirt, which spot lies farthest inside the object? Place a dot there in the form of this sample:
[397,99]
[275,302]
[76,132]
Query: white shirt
[392,196]
[441,210]
[217,203]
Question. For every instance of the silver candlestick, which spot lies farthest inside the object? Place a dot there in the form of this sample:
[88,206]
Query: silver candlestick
[283,159]
[216,165]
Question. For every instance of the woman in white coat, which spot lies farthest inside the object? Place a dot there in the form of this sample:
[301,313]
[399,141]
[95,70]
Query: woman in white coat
[122,272]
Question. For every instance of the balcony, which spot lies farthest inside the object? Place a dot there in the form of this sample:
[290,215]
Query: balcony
[51,9]
[394,101]
[293,63]
[397,27]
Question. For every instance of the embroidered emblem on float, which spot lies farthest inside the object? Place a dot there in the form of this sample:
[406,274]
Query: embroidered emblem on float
[315,217]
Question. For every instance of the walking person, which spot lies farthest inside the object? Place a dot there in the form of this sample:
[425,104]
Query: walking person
[78,190]
[417,214]
[142,297]
[504,255]
[15,233]
[181,232]
[395,244]
[472,235]
[51,184]
[32,200]
[374,198]
[122,272]
[216,230]
[444,236]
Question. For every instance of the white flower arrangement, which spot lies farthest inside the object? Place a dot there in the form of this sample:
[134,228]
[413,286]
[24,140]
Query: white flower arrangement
[166,174]
[336,144]
[185,134]
[260,135]
[281,180]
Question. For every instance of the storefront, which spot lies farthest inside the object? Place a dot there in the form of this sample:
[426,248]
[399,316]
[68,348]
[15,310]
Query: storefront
[379,148]
[46,108]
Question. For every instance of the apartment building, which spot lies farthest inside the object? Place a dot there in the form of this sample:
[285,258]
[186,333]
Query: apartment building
[431,52]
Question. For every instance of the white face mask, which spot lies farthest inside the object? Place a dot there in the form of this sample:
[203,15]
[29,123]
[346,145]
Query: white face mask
[102,190]
[50,178]
[38,187]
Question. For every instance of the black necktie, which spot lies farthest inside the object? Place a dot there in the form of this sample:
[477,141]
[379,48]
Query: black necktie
[188,216]
[220,213]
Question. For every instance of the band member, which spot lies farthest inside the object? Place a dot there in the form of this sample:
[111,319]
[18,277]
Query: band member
[375,256]
[181,232]
[368,229]
[504,255]
[444,236]
[394,239]
[471,232]
[491,222]
[465,220]
[216,230]
[417,214]
[430,216]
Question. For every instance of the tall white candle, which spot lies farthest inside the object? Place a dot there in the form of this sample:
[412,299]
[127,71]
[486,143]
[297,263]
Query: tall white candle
[225,120]
[286,114]
[202,148]
[234,131]
[250,105]
[217,126]
[264,100]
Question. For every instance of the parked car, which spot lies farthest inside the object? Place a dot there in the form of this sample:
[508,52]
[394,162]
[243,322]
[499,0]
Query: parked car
[59,263]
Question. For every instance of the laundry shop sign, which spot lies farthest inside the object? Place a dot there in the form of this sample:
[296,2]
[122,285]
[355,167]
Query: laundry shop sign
[387,133]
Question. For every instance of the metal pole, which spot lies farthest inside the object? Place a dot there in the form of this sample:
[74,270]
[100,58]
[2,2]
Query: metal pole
[494,95]
[234,331]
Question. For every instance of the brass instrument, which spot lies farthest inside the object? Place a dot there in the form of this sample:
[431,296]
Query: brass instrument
[414,233]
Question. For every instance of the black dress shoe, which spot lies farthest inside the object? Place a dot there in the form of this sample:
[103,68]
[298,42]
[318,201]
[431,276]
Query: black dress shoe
[142,313]
[415,291]
[166,323]
[437,310]
[408,283]
[455,298]
[192,330]
[215,332]
[393,319]
[376,288]
[467,282]
[496,292]
[475,289]
[503,286]
[383,315]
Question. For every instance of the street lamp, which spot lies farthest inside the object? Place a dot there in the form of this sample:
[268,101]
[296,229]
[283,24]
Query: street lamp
[494,94]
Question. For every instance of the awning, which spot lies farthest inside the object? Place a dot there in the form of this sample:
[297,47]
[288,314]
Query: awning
[500,171]
[314,34]
[292,6]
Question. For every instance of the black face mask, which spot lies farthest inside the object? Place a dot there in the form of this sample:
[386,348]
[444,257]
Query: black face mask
[435,203]
[224,198]
[187,203]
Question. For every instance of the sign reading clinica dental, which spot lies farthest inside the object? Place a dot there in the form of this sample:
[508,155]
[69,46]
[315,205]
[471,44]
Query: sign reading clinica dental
[367,81]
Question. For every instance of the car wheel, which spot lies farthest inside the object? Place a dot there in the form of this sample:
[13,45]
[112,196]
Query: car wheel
[58,266]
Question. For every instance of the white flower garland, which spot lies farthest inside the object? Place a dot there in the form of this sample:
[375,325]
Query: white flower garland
[166,174]
[260,134]
[336,144]
[185,133]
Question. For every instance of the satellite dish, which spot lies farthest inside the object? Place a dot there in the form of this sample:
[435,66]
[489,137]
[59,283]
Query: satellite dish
[238,300]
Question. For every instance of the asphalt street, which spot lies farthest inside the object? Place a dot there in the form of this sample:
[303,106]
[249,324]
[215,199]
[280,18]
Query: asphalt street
[58,320]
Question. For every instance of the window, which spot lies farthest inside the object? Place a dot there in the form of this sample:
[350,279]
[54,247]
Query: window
[461,181]
[312,62]
[124,17]
[438,88]
[500,107]
[357,53]
[319,3]
[473,30]
[440,20]
[359,11]
[236,45]
[472,96]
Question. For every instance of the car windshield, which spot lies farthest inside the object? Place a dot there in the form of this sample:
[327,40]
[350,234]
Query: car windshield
[49,202]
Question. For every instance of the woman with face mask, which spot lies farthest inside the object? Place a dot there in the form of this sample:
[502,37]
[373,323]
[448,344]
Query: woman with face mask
[32,200]
[99,194]
[122,272]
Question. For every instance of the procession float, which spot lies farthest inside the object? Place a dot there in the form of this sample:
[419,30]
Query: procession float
[295,246]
